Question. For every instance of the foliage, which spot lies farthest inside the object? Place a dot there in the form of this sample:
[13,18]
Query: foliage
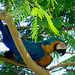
[8,69]
[44,18]
[70,69]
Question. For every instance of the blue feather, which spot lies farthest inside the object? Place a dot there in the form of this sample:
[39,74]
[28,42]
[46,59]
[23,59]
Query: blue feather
[34,49]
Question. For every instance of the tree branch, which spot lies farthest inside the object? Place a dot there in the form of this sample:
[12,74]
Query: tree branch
[59,65]
[26,57]
[21,48]
[69,28]
[12,61]
[2,16]
[46,28]
[70,70]
[70,52]
[23,27]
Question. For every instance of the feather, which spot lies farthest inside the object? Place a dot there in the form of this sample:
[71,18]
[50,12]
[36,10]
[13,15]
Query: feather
[38,51]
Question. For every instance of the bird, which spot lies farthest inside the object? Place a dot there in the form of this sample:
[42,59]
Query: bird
[39,51]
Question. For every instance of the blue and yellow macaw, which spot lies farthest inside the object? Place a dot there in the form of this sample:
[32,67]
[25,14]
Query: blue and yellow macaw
[39,51]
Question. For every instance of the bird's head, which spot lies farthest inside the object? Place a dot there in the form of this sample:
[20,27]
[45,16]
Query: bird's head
[60,48]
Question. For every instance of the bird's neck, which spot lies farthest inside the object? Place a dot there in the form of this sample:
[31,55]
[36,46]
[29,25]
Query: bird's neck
[49,48]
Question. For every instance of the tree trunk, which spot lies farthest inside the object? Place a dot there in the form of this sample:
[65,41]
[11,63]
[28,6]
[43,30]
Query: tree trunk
[21,48]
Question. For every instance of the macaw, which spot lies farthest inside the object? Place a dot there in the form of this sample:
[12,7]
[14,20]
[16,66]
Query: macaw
[39,51]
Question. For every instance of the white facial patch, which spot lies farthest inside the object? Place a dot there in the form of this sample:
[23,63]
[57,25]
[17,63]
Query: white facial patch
[61,45]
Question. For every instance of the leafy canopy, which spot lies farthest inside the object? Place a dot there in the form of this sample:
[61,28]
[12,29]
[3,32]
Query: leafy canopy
[44,18]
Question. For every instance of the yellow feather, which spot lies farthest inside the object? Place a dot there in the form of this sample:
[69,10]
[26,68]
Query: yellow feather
[49,48]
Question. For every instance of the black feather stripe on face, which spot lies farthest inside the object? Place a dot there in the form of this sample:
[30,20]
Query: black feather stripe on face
[55,47]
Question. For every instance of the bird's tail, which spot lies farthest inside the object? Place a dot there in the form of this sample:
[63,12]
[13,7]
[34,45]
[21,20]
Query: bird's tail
[3,29]
[7,38]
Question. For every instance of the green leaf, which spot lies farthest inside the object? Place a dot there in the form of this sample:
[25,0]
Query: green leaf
[52,1]
[55,2]
[51,25]
[34,28]
[41,13]
[34,11]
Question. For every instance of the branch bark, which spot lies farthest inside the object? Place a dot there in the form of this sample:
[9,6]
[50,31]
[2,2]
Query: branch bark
[69,28]
[12,61]
[26,57]
[23,27]
[70,70]
[21,48]
[47,28]
[70,52]
[64,64]
[2,16]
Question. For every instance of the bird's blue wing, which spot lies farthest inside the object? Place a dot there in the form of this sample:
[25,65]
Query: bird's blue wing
[7,39]
[34,49]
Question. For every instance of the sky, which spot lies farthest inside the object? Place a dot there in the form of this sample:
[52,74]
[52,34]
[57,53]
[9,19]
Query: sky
[3,47]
